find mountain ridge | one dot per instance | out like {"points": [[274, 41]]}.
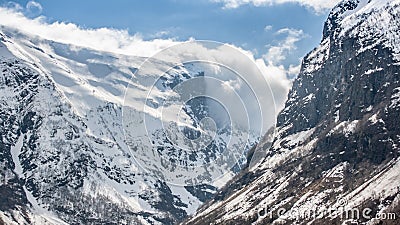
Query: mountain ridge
{"points": [[63, 158], [65, 150], [337, 137]]}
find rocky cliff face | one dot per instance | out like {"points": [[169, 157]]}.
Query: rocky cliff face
{"points": [[337, 142]]}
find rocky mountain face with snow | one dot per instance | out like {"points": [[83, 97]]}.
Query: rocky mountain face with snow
{"points": [[64, 156], [337, 144]]}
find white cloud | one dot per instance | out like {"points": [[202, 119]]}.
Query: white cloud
{"points": [[294, 70], [317, 5], [268, 28], [121, 42], [277, 54], [160, 34], [102, 39], [232, 85], [278, 81]]}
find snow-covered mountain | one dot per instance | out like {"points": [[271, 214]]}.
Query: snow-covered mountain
{"points": [[336, 152], [66, 153]]}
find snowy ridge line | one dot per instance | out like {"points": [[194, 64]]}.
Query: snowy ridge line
{"points": [[47, 103]]}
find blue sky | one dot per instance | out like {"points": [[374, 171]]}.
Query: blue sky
{"points": [[253, 27]]}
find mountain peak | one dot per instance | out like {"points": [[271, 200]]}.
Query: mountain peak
{"points": [[352, 9]]}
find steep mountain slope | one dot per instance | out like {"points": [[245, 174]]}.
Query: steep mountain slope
{"points": [[64, 169], [336, 151], [63, 151]]}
